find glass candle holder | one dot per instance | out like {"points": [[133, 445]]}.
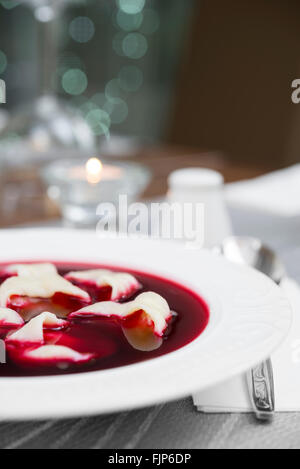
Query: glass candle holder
{"points": [[79, 186]]}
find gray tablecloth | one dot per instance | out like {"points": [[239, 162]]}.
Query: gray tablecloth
{"points": [[176, 425]]}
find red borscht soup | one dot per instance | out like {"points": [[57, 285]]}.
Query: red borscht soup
{"points": [[96, 342]]}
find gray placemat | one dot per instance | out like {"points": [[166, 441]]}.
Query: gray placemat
{"points": [[175, 425]]}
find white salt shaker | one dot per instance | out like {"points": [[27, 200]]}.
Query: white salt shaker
{"points": [[202, 186]]}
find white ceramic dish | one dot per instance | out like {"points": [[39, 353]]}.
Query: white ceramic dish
{"points": [[249, 317]]}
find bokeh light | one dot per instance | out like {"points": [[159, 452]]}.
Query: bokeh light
{"points": [[82, 29], [87, 106], [129, 22], [44, 13], [150, 22], [3, 62], [134, 45], [131, 6], [117, 43], [74, 81], [116, 107], [99, 121], [131, 78], [117, 110], [112, 89], [9, 4]]}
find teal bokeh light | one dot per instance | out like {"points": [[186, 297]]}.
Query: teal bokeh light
{"points": [[117, 43], [135, 45], [113, 90], [82, 29], [99, 121], [131, 6], [74, 82], [10, 4], [117, 109], [129, 22]]}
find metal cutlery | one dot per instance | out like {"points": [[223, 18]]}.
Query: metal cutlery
{"points": [[251, 251]]}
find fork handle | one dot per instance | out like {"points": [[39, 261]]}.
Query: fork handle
{"points": [[261, 390]]}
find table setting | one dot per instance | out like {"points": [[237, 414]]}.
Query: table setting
{"points": [[149, 291], [217, 403]]}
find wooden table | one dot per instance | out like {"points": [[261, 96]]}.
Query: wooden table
{"points": [[162, 160], [24, 198]]}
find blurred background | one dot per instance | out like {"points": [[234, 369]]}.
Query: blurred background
{"points": [[168, 84], [127, 50]]}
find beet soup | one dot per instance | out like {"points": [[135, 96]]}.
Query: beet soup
{"points": [[103, 337]]}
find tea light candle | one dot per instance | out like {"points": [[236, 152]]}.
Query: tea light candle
{"points": [[80, 185], [94, 181], [94, 172]]}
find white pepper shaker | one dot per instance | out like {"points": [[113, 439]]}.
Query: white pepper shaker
{"points": [[203, 186]]}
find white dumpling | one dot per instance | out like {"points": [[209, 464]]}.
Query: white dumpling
{"points": [[33, 331], [57, 353], [9, 317], [38, 286], [42, 268], [154, 305], [121, 283]]}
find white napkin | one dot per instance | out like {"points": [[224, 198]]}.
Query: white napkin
{"points": [[277, 193], [232, 396]]}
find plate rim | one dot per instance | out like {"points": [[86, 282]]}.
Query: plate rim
{"points": [[184, 389]]}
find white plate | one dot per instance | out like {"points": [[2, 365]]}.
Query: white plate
{"points": [[249, 317]]}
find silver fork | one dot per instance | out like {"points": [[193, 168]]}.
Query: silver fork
{"points": [[251, 251]]}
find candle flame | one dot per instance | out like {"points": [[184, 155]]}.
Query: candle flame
{"points": [[93, 169]]}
